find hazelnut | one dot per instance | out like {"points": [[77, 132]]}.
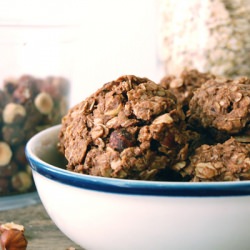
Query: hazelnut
{"points": [[8, 170], [3, 99], [63, 106], [168, 140], [10, 85], [121, 139], [19, 155], [21, 181], [5, 154], [33, 119], [26, 89], [14, 135], [13, 113], [44, 103], [11, 225], [55, 86], [12, 237], [4, 186], [28, 170]]}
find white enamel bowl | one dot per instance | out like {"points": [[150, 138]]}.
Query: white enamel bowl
{"points": [[112, 214]]}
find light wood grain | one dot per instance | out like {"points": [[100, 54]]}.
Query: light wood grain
{"points": [[40, 231]]}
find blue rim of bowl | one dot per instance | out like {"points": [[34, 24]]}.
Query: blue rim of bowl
{"points": [[135, 187]]}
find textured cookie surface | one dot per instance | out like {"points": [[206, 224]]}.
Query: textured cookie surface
{"points": [[223, 105], [185, 84], [229, 161], [129, 128]]}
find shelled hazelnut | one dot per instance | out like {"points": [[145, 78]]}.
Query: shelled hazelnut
{"points": [[13, 113], [27, 105], [121, 139], [5, 154], [44, 103]]}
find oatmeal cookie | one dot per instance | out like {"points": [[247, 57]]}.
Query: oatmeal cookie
{"points": [[130, 128], [183, 86], [229, 161], [221, 105]]}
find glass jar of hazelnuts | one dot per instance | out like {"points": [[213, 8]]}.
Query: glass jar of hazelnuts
{"points": [[35, 76]]}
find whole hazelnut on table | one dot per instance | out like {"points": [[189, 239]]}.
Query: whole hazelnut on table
{"points": [[12, 237]]}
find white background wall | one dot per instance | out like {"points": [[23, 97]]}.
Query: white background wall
{"points": [[116, 37]]}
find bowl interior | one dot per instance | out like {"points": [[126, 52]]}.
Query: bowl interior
{"points": [[43, 147]]}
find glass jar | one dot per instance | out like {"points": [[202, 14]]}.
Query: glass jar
{"points": [[35, 76], [210, 36]]}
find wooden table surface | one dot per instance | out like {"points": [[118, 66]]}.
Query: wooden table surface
{"points": [[40, 231]]}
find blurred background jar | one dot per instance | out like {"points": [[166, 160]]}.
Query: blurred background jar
{"points": [[36, 67], [208, 35]]}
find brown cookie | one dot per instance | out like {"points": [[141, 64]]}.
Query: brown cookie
{"points": [[229, 161], [185, 84], [221, 105], [129, 128]]}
